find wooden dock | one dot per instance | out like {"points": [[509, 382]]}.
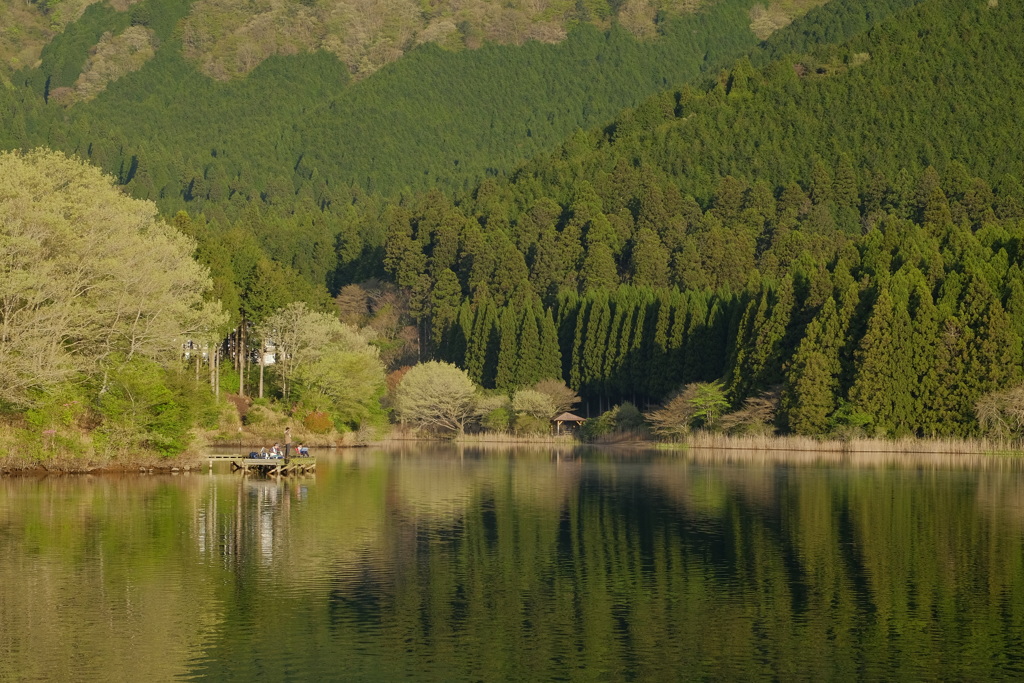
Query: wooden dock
{"points": [[274, 466]]}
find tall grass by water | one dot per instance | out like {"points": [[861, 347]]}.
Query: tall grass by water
{"points": [[867, 452], [970, 446]]}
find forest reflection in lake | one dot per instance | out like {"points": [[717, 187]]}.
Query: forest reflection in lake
{"points": [[438, 563]]}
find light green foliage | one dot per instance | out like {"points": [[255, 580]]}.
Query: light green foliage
{"points": [[534, 403], [54, 422], [494, 410], [90, 280], [148, 408], [674, 419], [696, 405], [709, 402], [597, 427], [849, 421], [436, 395], [299, 337], [497, 420], [622, 418], [330, 365], [735, 211], [347, 383], [526, 423], [627, 417]]}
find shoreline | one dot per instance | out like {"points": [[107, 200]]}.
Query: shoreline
{"points": [[865, 446], [766, 448]]}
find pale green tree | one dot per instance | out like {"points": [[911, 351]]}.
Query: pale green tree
{"points": [[347, 383], [533, 411], [709, 402], [436, 395], [534, 403], [89, 278], [299, 336]]}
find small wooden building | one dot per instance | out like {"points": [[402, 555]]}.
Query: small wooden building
{"points": [[571, 421]]}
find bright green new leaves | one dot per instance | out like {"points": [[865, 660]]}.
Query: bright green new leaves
{"points": [[331, 364], [345, 382]]}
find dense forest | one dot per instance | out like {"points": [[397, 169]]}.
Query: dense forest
{"points": [[135, 106], [824, 227], [829, 220]]}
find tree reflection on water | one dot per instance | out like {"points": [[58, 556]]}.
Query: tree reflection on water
{"points": [[465, 564]]}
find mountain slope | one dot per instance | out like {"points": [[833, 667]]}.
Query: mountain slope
{"points": [[229, 38], [435, 118], [842, 226]]}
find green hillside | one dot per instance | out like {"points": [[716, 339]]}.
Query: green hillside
{"points": [[227, 39], [829, 226], [840, 228], [435, 118]]}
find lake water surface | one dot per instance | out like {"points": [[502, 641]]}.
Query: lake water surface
{"points": [[442, 564]]}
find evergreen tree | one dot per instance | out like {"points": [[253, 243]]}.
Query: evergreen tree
{"points": [[993, 351], [478, 341], [926, 326], [821, 184], [476, 262], [403, 254], [844, 184], [760, 351], [649, 260], [545, 267], [577, 366], [529, 363], [457, 342], [445, 299], [599, 270], [656, 365], [550, 355], [595, 345], [507, 370], [812, 381], [510, 279], [883, 380]]}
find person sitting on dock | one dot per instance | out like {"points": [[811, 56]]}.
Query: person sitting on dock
{"points": [[275, 452], [302, 451]]}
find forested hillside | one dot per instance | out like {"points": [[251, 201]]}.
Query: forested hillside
{"points": [[292, 159], [840, 228], [229, 38], [830, 225], [115, 88]]}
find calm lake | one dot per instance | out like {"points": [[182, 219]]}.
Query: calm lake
{"points": [[528, 565]]}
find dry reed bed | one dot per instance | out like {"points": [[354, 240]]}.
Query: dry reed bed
{"points": [[801, 443], [866, 452]]}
